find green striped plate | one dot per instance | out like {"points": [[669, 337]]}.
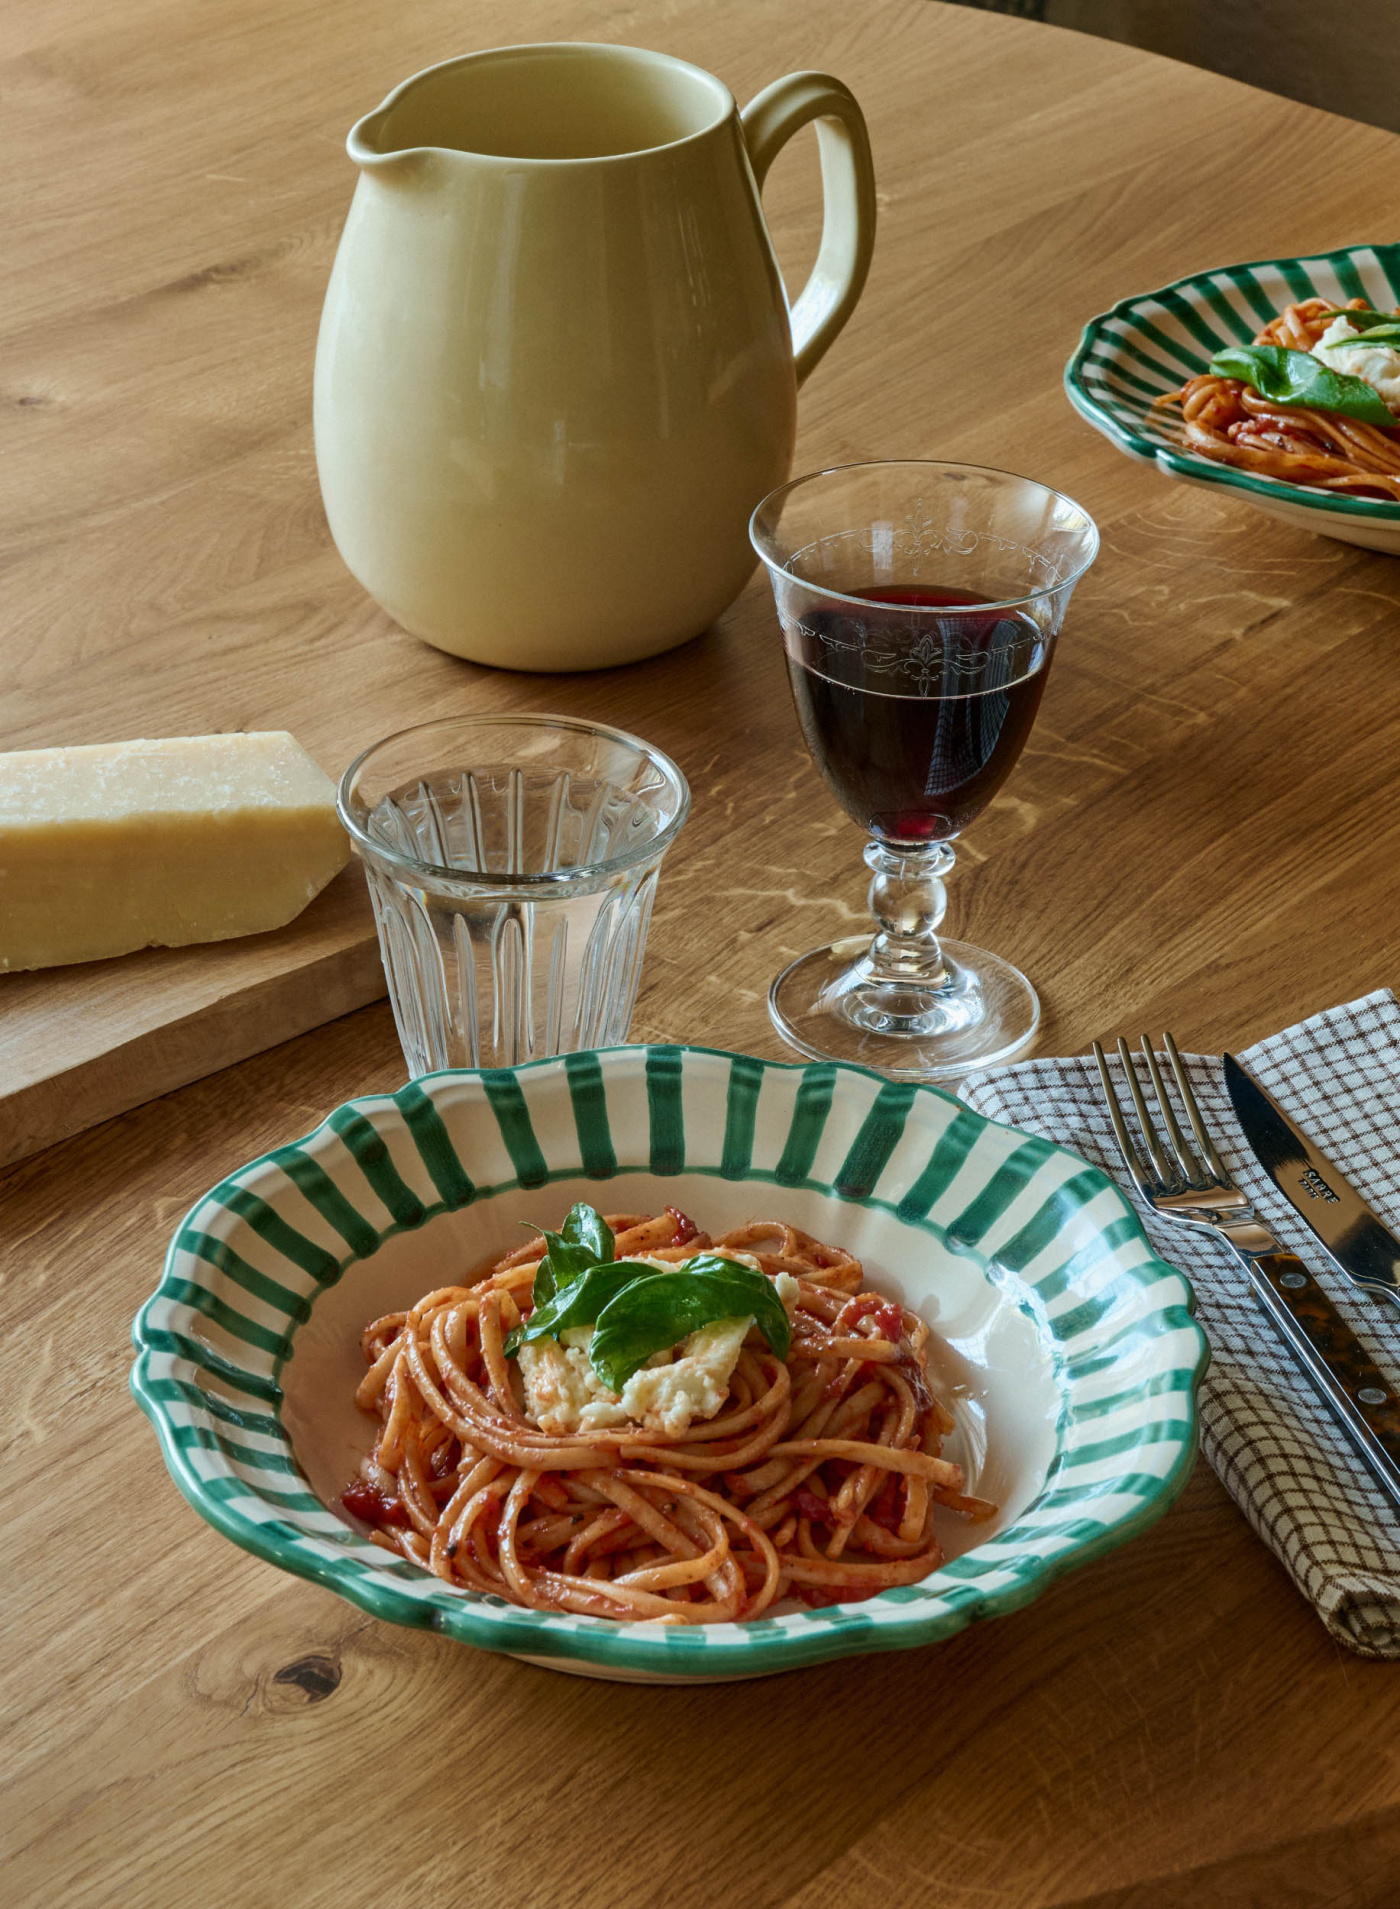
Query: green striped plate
{"points": [[1152, 343], [1072, 1357]]}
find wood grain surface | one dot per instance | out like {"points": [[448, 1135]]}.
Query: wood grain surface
{"points": [[1202, 834]]}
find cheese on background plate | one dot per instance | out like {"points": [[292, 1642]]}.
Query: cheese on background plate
{"points": [[1376, 365], [111, 847]]}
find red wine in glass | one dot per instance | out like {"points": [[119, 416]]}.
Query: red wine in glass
{"points": [[915, 720]]}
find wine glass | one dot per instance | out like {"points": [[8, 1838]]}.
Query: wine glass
{"points": [[919, 603]]}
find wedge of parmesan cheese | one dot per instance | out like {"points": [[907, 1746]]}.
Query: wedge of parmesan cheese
{"points": [[115, 846]]}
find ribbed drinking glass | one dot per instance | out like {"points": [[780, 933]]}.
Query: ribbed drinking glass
{"points": [[512, 862]]}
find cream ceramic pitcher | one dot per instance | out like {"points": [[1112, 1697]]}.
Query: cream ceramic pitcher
{"points": [[556, 371]]}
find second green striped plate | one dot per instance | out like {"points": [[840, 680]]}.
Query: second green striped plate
{"points": [[1152, 343]]}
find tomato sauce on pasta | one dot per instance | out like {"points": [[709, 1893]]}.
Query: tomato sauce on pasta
{"points": [[818, 1478]]}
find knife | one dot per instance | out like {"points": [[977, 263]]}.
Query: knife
{"points": [[1355, 1240]]}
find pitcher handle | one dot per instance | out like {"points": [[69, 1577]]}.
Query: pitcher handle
{"points": [[848, 193]]}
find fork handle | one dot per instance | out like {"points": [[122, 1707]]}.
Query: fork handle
{"points": [[1341, 1368]]}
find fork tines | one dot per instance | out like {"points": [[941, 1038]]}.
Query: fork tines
{"points": [[1172, 1168]]}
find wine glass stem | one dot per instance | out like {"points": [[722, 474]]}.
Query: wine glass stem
{"points": [[908, 900]]}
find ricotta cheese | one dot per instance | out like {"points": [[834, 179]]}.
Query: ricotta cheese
{"points": [[563, 1393], [1377, 365], [665, 1398]]}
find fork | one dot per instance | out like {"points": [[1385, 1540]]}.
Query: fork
{"points": [[1193, 1188]]}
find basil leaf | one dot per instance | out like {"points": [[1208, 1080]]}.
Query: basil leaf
{"points": [[1386, 334], [1296, 377], [1372, 328], [586, 1227], [654, 1315], [580, 1303], [1362, 316], [563, 1262], [586, 1240]]}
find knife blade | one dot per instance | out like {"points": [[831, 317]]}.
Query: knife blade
{"points": [[1355, 1240]]}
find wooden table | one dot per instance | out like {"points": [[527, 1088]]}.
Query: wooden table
{"points": [[1202, 834]]}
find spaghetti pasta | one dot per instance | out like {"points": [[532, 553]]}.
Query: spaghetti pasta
{"points": [[1229, 421], [818, 1477]]}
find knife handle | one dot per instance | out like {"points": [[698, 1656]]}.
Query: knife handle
{"points": [[1341, 1368]]}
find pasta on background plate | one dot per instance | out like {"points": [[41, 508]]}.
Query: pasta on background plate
{"points": [[1233, 421]]}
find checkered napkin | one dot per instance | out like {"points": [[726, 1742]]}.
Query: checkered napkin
{"points": [[1264, 1430]]}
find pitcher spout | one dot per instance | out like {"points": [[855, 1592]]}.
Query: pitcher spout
{"points": [[372, 146], [423, 117], [409, 125]]}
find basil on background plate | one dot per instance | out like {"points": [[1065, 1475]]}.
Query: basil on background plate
{"points": [[1387, 334], [1374, 328], [1297, 378], [1365, 319]]}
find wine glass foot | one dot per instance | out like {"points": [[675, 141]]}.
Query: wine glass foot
{"points": [[985, 1014]]}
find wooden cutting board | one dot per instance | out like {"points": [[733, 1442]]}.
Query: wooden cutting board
{"points": [[79, 1045]]}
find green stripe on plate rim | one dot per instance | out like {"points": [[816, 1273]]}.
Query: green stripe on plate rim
{"points": [[198, 1430], [1100, 345], [589, 1100]]}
